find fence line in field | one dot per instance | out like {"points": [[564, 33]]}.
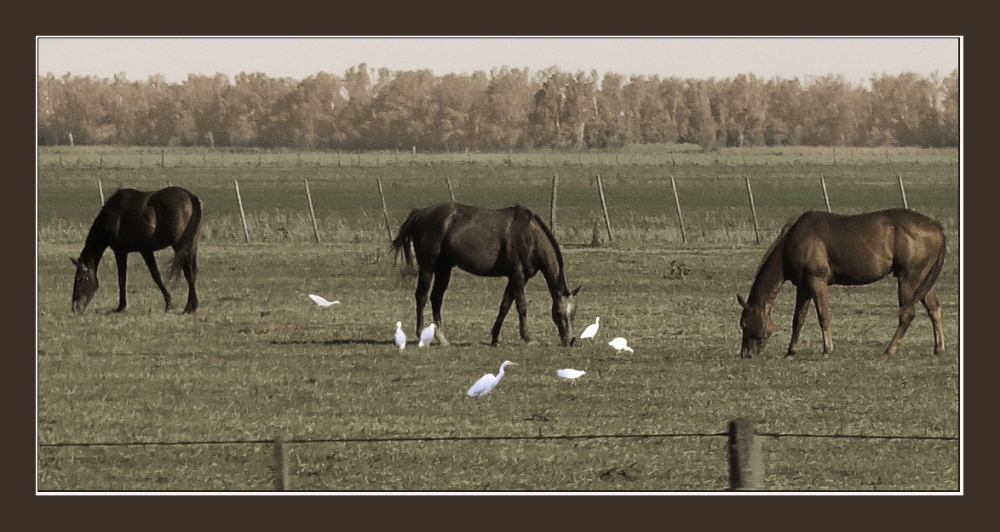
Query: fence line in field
{"points": [[553, 205], [790, 156], [746, 468], [398, 439]]}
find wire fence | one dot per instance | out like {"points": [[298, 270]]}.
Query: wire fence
{"points": [[397, 439], [744, 450]]}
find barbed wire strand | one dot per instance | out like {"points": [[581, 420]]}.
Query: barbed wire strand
{"points": [[497, 438]]}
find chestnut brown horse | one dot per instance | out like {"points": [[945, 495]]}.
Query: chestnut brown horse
{"points": [[511, 242], [142, 222], [819, 249]]}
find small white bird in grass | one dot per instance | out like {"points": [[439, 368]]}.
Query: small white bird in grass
{"points": [[569, 373], [321, 301], [621, 344], [488, 381], [400, 336], [591, 329], [427, 335]]}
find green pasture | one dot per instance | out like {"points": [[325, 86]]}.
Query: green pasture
{"points": [[639, 197], [259, 358]]}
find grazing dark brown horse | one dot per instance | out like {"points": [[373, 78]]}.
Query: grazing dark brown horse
{"points": [[819, 249], [511, 242], [142, 222]]}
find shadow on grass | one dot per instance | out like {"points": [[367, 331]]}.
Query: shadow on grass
{"points": [[360, 341]]}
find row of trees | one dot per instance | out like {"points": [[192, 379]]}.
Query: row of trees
{"points": [[505, 109]]}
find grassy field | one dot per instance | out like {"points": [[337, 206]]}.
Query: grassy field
{"points": [[259, 358]]}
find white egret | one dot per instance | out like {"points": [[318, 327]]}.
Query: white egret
{"points": [[322, 301], [569, 373], [621, 344], [427, 335], [400, 336], [591, 329], [488, 381]]}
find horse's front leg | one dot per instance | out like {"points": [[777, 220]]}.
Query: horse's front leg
{"points": [[441, 279], [821, 296], [121, 260], [424, 277], [154, 270], [522, 311], [508, 298], [802, 298]]}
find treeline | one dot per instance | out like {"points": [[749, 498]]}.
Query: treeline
{"points": [[506, 109]]}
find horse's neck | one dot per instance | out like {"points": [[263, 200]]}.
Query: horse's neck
{"points": [[770, 277], [547, 259], [555, 278], [95, 245]]}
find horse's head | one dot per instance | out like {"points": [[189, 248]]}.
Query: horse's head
{"points": [[757, 328], [84, 285], [563, 312]]}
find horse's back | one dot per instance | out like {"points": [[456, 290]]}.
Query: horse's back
{"points": [[137, 221], [482, 241], [859, 248]]}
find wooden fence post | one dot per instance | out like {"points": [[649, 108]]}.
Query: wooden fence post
{"points": [[746, 470], [385, 211], [312, 213], [753, 210], [604, 206], [902, 191], [826, 197], [552, 204], [243, 218], [680, 216], [281, 482]]}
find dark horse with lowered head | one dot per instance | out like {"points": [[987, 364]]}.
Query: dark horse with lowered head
{"points": [[511, 242], [819, 249], [142, 222]]}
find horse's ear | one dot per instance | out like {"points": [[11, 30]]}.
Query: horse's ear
{"points": [[739, 299], [576, 291]]}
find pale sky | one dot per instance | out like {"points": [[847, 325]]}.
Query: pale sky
{"points": [[857, 59]]}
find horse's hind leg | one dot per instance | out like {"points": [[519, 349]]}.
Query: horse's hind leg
{"points": [[424, 277], [190, 268], [441, 279], [154, 270], [933, 307], [906, 315]]}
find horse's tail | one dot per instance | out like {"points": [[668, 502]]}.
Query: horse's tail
{"points": [[187, 253], [928, 281], [402, 244]]}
